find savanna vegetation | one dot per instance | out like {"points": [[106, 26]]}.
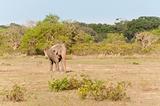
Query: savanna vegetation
{"points": [[110, 79], [93, 89], [137, 36]]}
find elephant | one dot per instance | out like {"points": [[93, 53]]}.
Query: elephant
{"points": [[57, 55]]}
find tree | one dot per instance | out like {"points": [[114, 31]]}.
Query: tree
{"points": [[50, 31], [141, 24], [146, 38], [51, 18], [14, 34]]}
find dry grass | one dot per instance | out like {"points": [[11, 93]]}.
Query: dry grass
{"points": [[33, 73]]}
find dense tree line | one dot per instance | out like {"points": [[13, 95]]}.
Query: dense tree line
{"points": [[32, 40]]}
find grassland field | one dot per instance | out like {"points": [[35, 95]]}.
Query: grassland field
{"points": [[33, 73]]}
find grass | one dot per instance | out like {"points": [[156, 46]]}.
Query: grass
{"points": [[24, 70], [135, 63], [15, 94]]}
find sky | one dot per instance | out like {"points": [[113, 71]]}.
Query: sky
{"points": [[89, 11]]}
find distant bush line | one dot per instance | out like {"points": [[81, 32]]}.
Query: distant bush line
{"points": [[81, 38]]}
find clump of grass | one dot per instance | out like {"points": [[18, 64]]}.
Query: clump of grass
{"points": [[135, 63], [15, 94], [5, 64]]}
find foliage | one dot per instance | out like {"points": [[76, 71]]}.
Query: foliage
{"points": [[98, 90], [135, 63], [44, 34], [80, 38], [16, 94], [146, 38], [114, 38], [58, 84], [92, 88], [4, 46], [141, 24], [88, 88], [14, 34], [66, 83], [118, 48], [117, 92], [156, 33], [10, 38], [102, 28], [51, 31]]}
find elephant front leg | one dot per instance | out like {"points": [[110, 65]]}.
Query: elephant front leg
{"points": [[63, 64], [57, 66], [51, 65]]}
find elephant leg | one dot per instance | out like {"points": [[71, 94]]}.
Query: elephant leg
{"points": [[62, 66], [51, 65], [57, 66], [51, 69]]}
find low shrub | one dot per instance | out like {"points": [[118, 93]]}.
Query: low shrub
{"points": [[118, 48], [117, 92], [66, 83], [58, 84], [135, 63], [93, 89], [97, 90], [16, 94]]}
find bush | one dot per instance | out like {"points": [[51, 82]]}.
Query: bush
{"points": [[118, 48], [117, 92], [135, 63], [99, 91], [114, 38], [88, 88], [16, 94], [66, 83], [93, 89], [58, 84]]}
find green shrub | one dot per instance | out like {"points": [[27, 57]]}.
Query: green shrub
{"points": [[135, 63], [119, 48], [16, 94], [66, 83], [114, 38], [74, 82], [58, 84], [93, 89], [98, 91]]}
